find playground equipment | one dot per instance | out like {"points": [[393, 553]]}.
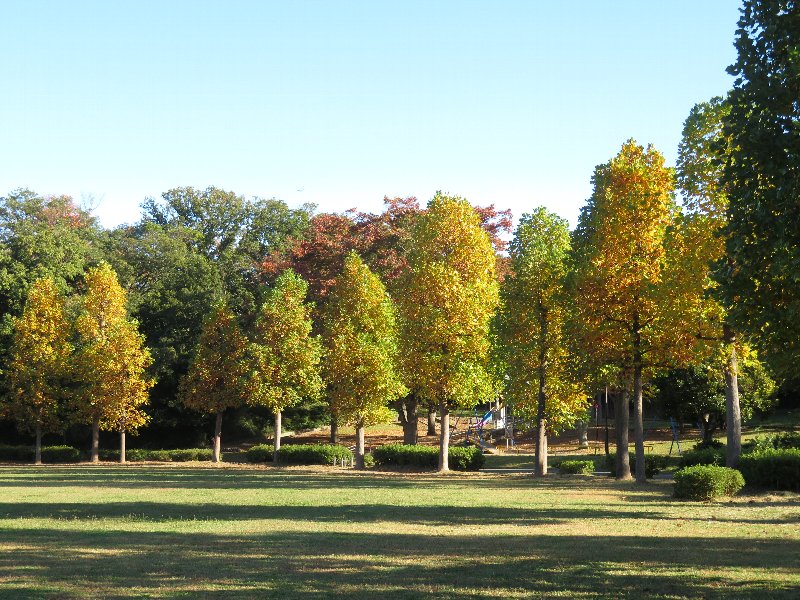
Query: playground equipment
{"points": [[480, 428]]}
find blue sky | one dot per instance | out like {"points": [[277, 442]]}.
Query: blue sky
{"points": [[341, 103]]}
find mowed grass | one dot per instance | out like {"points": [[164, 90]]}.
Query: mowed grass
{"points": [[146, 531]]}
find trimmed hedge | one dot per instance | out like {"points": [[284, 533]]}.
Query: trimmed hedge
{"points": [[707, 482], [773, 469], [704, 456], [261, 453], [782, 441], [313, 454], [50, 454], [653, 464], [576, 467], [460, 458], [142, 455]]}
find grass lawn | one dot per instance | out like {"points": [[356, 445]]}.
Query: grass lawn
{"points": [[242, 532]]}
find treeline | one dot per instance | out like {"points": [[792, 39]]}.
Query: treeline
{"points": [[252, 303]]}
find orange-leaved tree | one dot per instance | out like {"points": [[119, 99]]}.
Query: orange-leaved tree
{"points": [[39, 363], [447, 298], [111, 361], [215, 381]]}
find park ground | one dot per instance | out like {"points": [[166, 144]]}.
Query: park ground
{"points": [[237, 531]]}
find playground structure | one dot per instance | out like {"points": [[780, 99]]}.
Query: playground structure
{"points": [[482, 427]]}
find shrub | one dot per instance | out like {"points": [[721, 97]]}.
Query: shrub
{"points": [[141, 455], [260, 454], [369, 461], [712, 443], [774, 469], [462, 458], [60, 454], [781, 441], [190, 454], [653, 464], [706, 482], [576, 467], [703, 456], [313, 454], [401, 455], [16, 453]]}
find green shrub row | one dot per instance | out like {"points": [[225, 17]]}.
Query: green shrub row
{"points": [[781, 441], [576, 467], [653, 464], [261, 453], [141, 455], [773, 468], [313, 454], [704, 456], [401, 455], [707, 482], [50, 454]]}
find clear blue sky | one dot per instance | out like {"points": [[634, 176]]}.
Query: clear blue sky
{"points": [[506, 102]]}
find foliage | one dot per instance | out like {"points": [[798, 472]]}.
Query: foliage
{"points": [[313, 454], [402, 455], [283, 357], [777, 469], [530, 326], [653, 464], [576, 467], [762, 178], [39, 365], [214, 382], [359, 332], [50, 454], [781, 441], [707, 482], [448, 297], [260, 453], [142, 455], [111, 360], [703, 456]]}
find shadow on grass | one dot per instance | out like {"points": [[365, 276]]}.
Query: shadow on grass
{"points": [[320, 564]]}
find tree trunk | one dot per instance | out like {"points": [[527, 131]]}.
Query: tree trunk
{"points": [[431, 422], [605, 412], [277, 436], [360, 446], [410, 420], [708, 428], [444, 438], [37, 460], [217, 438], [541, 424], [334, 430], [641, 476], [96, 438], [582, 427], [122, 447], [733, 415], [621, 422]]}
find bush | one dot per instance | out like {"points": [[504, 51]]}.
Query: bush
{"points": [[782, 441], [653, 464], [461, 458], [402, 455], [708, 444], [773, 469], [703, 456], [60, 454], [260, 454], [50, 454], [706, 482], [142, 455], [190, 454], [313, 454], [576, 467]]}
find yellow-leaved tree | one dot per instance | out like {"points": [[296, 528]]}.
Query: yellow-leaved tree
{"points": [[621, 294], [283, 357], [447, 299], [531, 347], [111, 361], [39, 363], [360, 337], [216, 378]]}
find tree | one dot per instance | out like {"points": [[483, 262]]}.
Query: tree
{"points": [[360, 336], [698, 392], [762, 180], [215, 381], [111, 360], [530, 329], [39, 362], [448, 296], [283, 356], [620, 248]]}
